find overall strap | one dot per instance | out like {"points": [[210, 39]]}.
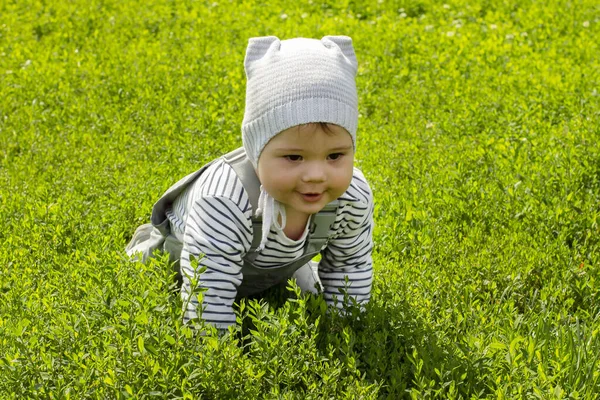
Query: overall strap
{"points": [[159, 218], [320, 227], [245, 171]]}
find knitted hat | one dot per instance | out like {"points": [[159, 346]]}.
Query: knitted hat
{"points": [[294, 82]]}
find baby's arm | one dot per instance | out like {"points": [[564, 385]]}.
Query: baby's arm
{"points": [[219, 233], [349, 254]]}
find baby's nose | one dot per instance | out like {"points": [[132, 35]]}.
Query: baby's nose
{"points": [[314, 172]]}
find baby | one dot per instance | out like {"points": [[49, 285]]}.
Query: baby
{"points": [[257, 216]]}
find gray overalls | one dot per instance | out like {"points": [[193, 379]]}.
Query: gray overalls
{"points": [[157, 235]]}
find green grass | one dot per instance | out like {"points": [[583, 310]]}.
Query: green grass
{"points": [[478, 132]]}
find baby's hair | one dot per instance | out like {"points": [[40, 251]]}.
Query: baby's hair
{"points": [[323, 125]]}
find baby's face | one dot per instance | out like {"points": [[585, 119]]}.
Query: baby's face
{"points": [[306, 167]]}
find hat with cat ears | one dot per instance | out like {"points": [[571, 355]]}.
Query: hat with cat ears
{"points": [[294, 82]]}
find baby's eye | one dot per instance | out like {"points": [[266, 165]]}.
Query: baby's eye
{"points": [[335, 156], [293, 157]]}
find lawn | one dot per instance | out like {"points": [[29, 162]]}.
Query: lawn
{"points": [[479, 133]]}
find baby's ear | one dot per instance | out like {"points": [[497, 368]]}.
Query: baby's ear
{"points": [[257, 48], [344, 43]]}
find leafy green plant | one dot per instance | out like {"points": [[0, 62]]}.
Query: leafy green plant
{"points": [[478, 134]]}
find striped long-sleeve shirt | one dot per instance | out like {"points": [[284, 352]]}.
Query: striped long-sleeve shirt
{"points": [[213, 220]]}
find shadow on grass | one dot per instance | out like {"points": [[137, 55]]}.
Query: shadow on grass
{"points": [[388, 344]]}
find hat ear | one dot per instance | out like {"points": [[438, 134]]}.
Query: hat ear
{"points": [[257, 48], [344, 43]]}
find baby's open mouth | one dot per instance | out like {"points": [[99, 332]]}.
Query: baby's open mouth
{"points": [[312, 196]]}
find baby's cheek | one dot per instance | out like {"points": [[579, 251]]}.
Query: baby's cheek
{"points": [[348, 173], [345, 181], [281, 185], [286, 184]]}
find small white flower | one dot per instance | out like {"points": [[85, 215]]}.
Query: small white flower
{"points": [[283, 16], [429, 28], [403, 15], [493, 26], [586, 24], [429, 125], [446, 6], [304, 15], [510, 36], [524, 34], [450, 33]]}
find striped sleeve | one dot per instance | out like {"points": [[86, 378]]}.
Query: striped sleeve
{"points": [[348, 255], [219, 231]]}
